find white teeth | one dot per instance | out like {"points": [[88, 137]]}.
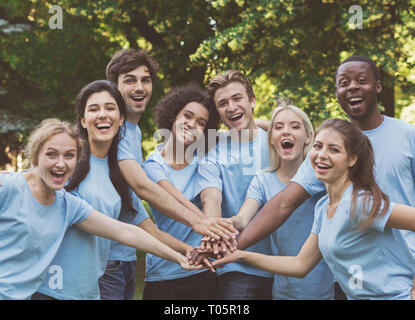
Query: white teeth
{"points": [[103, 126], [58, 173], [138, 98], [188, 132], [237, 116], [322, 166], [355, 99]]}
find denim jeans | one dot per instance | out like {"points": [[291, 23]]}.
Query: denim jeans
{"points": [[118, 281], [241, 286], [201, 286]]}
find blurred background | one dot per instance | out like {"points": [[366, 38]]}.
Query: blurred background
{"points": [[50, 49]]}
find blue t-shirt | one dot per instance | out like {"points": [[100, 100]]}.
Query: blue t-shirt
{"points": [[82, 257], [375, 263], [129, 147], [230, 167], [31, 234], [289, 239], [158, 269], [393, 145]]}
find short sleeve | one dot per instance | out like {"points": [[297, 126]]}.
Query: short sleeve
{"points": [[76, 208], [154, 170], [318, 215], [306, 178], [362, 212], [209, 174], [256, 191], [125, 149]]}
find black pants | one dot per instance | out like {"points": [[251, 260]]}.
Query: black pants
{"points": [[338, 292], [201, 286]]}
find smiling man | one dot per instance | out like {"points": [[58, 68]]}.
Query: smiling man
{"points": [[226, 174], [393, 142]]}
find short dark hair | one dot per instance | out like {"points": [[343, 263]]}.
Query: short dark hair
{"points": [[372, 65], [128, 59]]}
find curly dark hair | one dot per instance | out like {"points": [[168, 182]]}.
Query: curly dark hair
{"points": [[169, 106]]}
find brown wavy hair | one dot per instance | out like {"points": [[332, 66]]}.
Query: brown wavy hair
{"points": [[361, 174], [167, 109]]}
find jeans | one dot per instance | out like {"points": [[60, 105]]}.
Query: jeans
{"points": [[118, 281], [201, 286], [41, 296], [241, 286]]}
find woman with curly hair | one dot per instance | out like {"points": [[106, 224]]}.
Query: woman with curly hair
{"points": [[184, 117]]}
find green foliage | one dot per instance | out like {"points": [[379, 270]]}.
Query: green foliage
{"points": [[287, 48]]}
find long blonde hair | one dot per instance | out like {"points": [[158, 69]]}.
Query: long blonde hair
{"points": [[286, 104]]}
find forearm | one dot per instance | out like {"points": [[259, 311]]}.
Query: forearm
{"points": [[164, 237], [211, 199], [170, 188], [272, 215], [282, 265]]}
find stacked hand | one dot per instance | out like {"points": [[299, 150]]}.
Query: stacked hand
{"points": [[212, 248]]}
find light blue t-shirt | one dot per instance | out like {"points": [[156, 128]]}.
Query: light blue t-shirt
{"points": [[375, 263], [289, 239], [31, 234], [82, 257], [230, 167], [158, 269], [393, 145], [129, 147]]}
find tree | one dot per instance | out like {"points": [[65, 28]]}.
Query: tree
{"points": [[289, 48]]}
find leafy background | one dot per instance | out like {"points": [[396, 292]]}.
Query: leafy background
{"points": [[287, 48]]}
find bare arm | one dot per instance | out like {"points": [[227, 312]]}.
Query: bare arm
{"points": [[273, 214], [169, 240], [262, 123], [170, 188], [164, 202], [212, 202], [245, 214], [104, 226], [402, 217], [298, 266]]}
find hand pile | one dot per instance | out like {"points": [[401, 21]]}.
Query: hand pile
{"points": [[214, 248]]}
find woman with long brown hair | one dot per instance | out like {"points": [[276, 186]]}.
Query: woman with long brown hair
{"points": [[355, 224]]}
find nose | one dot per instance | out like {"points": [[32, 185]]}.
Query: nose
{"points": [[231, 106], [102, 113], [138, 86], [60, 162], [353, 86]]}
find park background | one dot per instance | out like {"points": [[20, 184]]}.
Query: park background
{"points": [[50, 49]]}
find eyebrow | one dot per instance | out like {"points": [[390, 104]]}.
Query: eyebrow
{"points": [[330, 144], [187, 110], [53, 149], [96, 104]]}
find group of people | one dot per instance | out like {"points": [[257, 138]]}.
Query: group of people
{"points": [[259, 210]]}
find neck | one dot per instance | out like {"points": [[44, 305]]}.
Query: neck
{"points": [[288, 169], [244, 135], [175, 155], [336, 189], [40, 191], [369, 123], [133, 117], [99, 149]]}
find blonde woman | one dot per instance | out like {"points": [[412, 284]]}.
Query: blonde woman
{"points": [[35, 212], [290, 135]]}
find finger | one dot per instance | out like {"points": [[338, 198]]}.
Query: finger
{"points": [[215, 246], [209, 264]]}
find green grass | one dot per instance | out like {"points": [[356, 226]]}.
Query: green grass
{"points": [[140, 271]]}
